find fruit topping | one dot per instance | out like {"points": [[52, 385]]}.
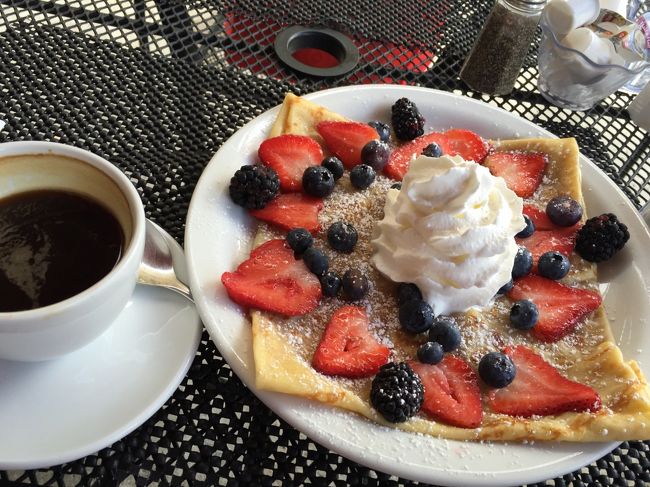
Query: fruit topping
{"points": [[299, 239], [564, 211], [432, 150], [561, 308], [347, 348], [375, 154], [445, 331], [289, 155], [553, 265], [523, 263], [396, 186], [539, 389], [467, 144], [522, 171], [346, 139], [316, 261], [355, 284], [506, 287], [539, 218], [407, 291], [430, 353], [254, 186], [496, 369], [400, 159], [273, 280], [528, 230], [407, 120], [451, 392], [330, 283], [601, 237], [524, 314], [383, 130], [342, 236], [291, 210], [318, 181], [397, 392], [334, 165], [560, 240], [415, 316], [362, 176]]}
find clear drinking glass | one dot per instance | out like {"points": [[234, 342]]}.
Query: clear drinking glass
{"points": [[569, 79]]}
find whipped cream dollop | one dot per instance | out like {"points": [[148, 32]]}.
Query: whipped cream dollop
{"points": [[450, 230]]}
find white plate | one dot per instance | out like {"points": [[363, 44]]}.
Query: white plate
{"points": [[58, 411], [217, 239]]}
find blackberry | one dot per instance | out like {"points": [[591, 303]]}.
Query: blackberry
{"points": [[407, 121], [601, 237], [362, 176], [254, 186], [397, 392], [342, 236], [334, 165]]}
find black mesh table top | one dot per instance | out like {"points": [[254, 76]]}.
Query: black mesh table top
{"points": [[156, 86]]}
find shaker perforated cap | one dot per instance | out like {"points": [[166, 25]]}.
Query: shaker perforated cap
{"points": [[639, 109]]}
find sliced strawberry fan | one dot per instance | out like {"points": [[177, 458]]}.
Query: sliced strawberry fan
{"points": [[451, 392], [271, 279], [561, 308], [347, 348], [539, 389]]}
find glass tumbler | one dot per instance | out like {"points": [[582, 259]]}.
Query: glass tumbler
{"points": [[569, 79]]}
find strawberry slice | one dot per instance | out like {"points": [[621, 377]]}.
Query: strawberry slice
{"points": [[451, 392], [400, 159], [347, 348], [291, 210], [346, 139], [539, 389], [289, 155], [539, 218], [466, 144], [522, 171], [560, 307], [272, 279]]}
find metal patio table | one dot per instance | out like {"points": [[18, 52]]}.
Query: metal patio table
{"points": [[157, 86]]}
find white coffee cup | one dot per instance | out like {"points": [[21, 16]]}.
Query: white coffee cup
{"points": [[57, 329]]}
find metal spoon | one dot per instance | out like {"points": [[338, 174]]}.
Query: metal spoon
{"points": [[163, 262]]}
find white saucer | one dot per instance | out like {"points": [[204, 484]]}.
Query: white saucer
{"points": [[58, 411]]}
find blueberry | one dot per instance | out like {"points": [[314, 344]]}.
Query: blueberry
{"points": [[362, 176], [397, 186], [497, 369], [334, 165], [430, 353], [375, 154], [406, 292], [524, 314], [523, 263], [355, 284], [528, 231], [564, 211], [316, 261], [506, 287], [432, 150], [445, 331], [383, 130], [415, 316], [299, 239], [553, 265], [342, 236], [318, 181], [330, 284]]}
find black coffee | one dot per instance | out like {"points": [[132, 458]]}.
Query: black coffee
{"points": [[53, 245]]}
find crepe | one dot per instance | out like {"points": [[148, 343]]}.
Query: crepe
{"points": [[283, 347]]}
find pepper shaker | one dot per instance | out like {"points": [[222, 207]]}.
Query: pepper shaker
{"points": [[499, 52]]}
